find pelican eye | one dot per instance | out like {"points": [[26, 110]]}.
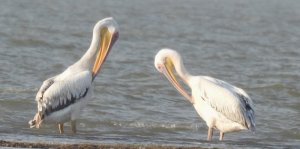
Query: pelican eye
{"points": [[160, 67]]}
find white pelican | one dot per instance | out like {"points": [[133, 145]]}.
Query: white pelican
{"points": [[61, 98], [220, 104]]}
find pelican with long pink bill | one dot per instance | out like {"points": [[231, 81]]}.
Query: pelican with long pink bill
{"points": [[61, 98], [221, 105]]}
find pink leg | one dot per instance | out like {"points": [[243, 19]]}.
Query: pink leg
{"points": [[73, 126], [221, 136], [61, 128], [210, 134]]}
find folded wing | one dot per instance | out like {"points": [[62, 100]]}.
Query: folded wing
{"points": [[58, 93], [232, 102]]}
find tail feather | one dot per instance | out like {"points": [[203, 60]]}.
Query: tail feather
{"points": [[251, 118]]}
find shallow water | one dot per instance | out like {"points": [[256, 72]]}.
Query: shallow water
{"points": [[251, 44]]}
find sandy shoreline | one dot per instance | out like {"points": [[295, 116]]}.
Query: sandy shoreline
{"points": [[20, 144]]}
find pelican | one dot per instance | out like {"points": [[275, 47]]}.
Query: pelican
{"points": [[221, 105], [61, 98]]}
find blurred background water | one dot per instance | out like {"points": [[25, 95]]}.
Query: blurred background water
{"points": [[251, 44]]}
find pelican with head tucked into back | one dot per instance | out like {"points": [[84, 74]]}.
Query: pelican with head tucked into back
{"points": [[61, 98], [220, 104]]}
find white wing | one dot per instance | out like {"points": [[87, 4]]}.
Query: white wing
{"points": [[234, 103], [61, 91]]}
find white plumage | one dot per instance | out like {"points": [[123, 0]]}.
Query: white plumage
{"points": [[61, 98], [220, 104], [62, 93]]}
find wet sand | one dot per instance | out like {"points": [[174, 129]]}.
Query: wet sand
{"points": [[20, 144]]}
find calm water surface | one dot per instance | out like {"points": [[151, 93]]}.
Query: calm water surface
{"points": [[252, 44]]}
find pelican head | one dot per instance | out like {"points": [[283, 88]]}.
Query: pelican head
{"points": [[166, 60], [105, 34]]}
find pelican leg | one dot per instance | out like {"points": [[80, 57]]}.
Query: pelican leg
{"points": [[73, 126], [221, 136], [61, 128], [209, 134]]}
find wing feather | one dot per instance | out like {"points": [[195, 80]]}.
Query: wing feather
{"points": [[39, 96], [61, 91], [234, 103]]}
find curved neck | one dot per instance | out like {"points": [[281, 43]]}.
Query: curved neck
{"points": [[88, 59], [180, 69]]}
